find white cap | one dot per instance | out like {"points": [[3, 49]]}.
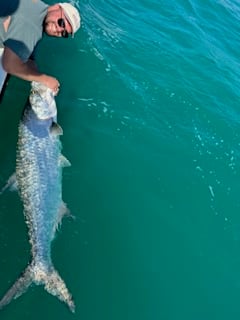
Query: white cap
{"points": [[72, 15]]}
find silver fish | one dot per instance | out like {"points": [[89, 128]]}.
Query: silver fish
{"points": [[39, 166]]}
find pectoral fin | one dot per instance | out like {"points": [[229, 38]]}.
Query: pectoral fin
{"points": [[11, 184], [64, 162], [56, 129]]}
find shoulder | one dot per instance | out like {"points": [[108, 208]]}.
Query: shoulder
{"points": [[25, 29], [32, 6]]}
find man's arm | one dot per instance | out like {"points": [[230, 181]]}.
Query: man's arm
{"points": [[12, 64]]}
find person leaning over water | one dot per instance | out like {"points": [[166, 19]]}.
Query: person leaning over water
{"points": [[21, 32]]}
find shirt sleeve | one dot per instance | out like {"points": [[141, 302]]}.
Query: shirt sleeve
{"points": [[22, 38], [19, 48]]}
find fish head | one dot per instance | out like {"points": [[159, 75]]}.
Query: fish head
{"points": [[42, 101]]}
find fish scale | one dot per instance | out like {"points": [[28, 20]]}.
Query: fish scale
{"points": [[39, 182]]}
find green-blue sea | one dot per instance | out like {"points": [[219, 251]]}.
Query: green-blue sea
{"points": [[149, 106]]}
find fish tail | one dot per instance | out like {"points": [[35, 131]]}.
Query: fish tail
{"points": [[56, 286], [18, 288], [40, 275]]}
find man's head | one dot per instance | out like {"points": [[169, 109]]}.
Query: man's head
{"points": [[62, 20]]}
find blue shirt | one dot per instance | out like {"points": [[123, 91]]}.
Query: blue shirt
{"points": [[25, 28]]}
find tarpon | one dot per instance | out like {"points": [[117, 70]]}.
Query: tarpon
{"points": [[39, 165]]}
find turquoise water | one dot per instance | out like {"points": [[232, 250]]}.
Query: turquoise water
{"points": [[149, 105]]}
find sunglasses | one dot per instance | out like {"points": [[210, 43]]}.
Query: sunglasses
{"points": [[61, 24]]}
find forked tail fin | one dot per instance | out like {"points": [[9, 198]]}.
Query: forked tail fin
{"points": [[19, 287], [40, 275]]}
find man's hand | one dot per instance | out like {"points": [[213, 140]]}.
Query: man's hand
{"points": [[12, 64], [50, 82]]}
